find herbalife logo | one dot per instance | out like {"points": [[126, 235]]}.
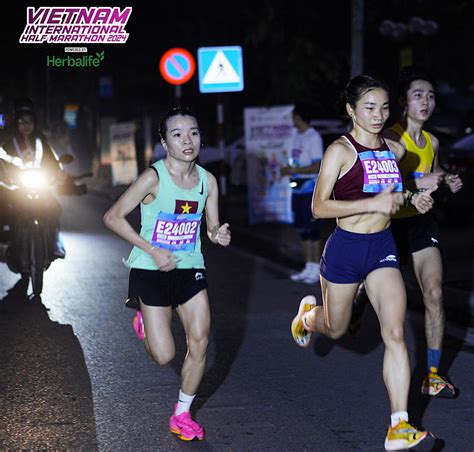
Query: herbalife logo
{"points": [[70, 61]]}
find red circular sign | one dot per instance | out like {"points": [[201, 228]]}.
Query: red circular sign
{"points": [[177, 66]]}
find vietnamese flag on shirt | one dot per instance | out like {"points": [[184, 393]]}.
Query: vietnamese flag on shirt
{"points": [[182, 207]]}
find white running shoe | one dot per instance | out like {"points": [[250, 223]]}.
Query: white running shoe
{"points": [[301, 275], [312, 276]]}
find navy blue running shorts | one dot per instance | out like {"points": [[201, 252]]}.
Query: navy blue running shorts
{"points": [[414, 234], [156, 288], [348, 257]]}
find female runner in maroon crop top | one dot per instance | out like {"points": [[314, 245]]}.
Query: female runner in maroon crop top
{"points": [[360, 185]]}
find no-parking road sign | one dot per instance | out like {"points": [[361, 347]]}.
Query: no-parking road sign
{"points": [[177, 66]]}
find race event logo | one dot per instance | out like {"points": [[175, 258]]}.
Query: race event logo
{"points": [[76, 25]]}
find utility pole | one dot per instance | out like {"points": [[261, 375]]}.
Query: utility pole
{"points": [[357, 41]]}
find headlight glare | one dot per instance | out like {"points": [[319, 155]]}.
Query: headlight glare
{"points": [[32, 178]]}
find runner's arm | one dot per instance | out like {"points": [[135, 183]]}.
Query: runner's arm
{"points": [[219, 234], [310, 169], [145, 186], [115, 218], [453, 181]]}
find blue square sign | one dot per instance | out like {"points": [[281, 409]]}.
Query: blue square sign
{"points": [[220, 69]]}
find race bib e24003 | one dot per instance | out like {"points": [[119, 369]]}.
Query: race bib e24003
{"points": [[380, 171], [176, 232]]}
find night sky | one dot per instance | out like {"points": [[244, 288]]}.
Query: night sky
{"points": [[292, 51]]}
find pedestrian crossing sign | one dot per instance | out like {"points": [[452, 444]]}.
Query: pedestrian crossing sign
{"points": [[220, 69]]}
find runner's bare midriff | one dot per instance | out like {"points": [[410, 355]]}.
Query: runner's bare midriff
{"points": [[366, 223]]}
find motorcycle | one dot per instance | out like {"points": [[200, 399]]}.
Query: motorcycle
{"points": [[33, 238]]}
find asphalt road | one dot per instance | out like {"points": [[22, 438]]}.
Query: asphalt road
{"points": [[73, 375]]}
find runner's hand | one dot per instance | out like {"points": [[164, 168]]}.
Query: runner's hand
{"points": [[165, 259], [423, 201], [387, 202], [223, 235], [429, 181], [454, 182]]}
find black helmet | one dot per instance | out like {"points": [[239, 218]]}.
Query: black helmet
{"points": [[23, 105]]}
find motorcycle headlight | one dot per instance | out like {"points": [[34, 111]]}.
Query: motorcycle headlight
{"points": [[32, 178]]}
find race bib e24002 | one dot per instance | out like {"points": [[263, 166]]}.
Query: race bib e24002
{"points": [[380, 171], [176, 232]]}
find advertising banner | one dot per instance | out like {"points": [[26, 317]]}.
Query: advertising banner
{"points": [[269, 134], [123, 153]]}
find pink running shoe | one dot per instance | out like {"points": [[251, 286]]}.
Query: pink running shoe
{"points": [[138, 325], [184, 427]]}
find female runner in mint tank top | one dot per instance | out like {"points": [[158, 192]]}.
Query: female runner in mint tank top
{"points": [[167, 267], [360, 185]]}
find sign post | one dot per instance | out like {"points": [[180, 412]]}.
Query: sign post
{"points": [[220, 70]]}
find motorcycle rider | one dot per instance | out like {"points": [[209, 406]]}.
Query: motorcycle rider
{"points": [[26, 145], [26, 141]]}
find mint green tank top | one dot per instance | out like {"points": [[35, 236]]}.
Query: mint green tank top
{"points": [[173, 221]]}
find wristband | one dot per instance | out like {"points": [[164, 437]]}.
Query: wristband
{"points": [[409, 198], [411, 194]]}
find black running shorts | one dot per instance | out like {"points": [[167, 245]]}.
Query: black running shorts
{"points": [[156, 288], [414, 234]]}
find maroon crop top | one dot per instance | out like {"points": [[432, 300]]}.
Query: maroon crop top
{"points": [[371, 173]]}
